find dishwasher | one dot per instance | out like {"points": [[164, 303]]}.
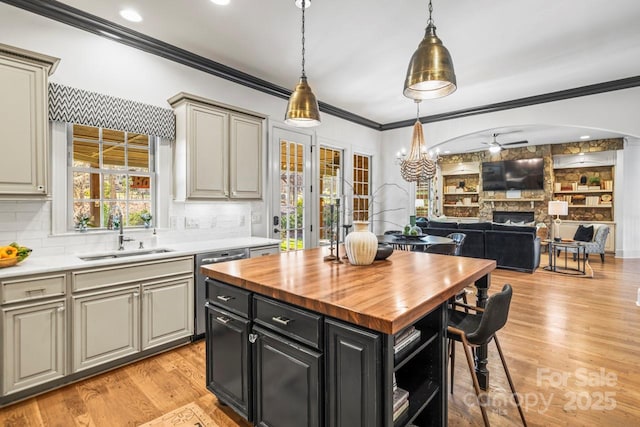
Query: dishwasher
{"points": [[200, 293]]}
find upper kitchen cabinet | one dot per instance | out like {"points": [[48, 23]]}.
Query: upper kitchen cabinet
{"points": [[24, 121], [218, 150]]}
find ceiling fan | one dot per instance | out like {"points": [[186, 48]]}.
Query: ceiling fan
{"points": [[496, 147]]}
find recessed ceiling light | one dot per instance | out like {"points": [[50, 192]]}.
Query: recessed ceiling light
{"points": [[581, 154], [447, 151], [221, 2], [130, 15], [585, 137], [307, 4]]}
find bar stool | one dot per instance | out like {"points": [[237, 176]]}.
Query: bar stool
{"points": [[476, 329]]}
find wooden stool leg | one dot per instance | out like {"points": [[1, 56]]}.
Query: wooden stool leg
{"points": [[476, 385], [513, 389]]}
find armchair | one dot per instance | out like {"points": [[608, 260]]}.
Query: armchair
{"points": [[595, 246]]}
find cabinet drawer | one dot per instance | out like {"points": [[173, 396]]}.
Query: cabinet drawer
{"points": [[288, 320], [129, 273], [33, 288], [256, 252], [233, 299]]}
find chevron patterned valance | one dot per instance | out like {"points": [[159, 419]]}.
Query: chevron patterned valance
{"points": [[71, 105]]}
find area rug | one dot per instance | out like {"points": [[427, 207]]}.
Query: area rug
{"points": [[190, 415]]}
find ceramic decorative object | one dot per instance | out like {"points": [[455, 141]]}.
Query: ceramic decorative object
{"points": [[384, 251], [361, 244]]}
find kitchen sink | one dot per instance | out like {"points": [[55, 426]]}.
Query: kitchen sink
{"points": [[113, 255]]}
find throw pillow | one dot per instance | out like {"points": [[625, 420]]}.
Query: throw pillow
{"points": [[584, 234]]}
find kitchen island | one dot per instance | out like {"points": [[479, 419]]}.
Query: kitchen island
{"points": [[294, 340]]}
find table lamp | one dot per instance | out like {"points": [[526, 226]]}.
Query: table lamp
{"points": [[557, 208]]}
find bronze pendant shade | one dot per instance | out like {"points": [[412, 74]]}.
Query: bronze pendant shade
{"points": [[430, 73], [302, 110]]}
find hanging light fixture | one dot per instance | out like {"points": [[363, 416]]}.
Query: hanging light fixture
{"points": [[430, 73], [302, 110], [418, 166]]}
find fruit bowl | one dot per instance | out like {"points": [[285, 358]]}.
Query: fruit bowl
{"points": [[12, 254], [8, 262]]}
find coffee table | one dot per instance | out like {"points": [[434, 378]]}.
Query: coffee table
{"points": [[556, 248]]}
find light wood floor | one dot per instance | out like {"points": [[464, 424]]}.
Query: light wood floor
{"points": [[572, 345]]}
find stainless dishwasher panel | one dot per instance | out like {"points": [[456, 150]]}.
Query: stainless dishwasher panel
{"points": [[200, 293]]}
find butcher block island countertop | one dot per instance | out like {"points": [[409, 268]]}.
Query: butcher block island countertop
{"points": [[385, 296]]}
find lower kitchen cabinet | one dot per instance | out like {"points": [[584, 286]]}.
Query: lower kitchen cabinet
{"points": [[288, 382], [105, 326], [34, 350], [229, 359], [167, 311], [353, 376]]}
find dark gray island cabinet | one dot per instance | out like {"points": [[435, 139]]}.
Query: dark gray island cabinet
{"points": [[286, 350]]}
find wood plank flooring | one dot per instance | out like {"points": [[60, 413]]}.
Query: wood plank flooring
{"points": [[571, 343]]}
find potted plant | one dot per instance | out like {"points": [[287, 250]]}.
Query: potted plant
{"points": [[146, 218]]}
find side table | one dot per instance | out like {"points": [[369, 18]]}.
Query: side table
{"points": [[556, 248]]}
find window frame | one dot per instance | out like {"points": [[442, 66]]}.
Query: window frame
{"points": [[71, 225]]}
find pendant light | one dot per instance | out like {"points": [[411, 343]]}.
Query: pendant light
{"points": [[302, 110], [430, 73], [418, 166]]}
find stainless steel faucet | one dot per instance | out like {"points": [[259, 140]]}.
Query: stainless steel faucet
{"points": [[121, 238]]}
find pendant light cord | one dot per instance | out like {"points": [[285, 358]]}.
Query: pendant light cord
{"points": [[430, 21], [304, 6]]}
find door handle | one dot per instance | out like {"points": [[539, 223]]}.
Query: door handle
{"points": [[276, 231]]}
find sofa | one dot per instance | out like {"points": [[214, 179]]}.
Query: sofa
{"points": [[513, 247]]}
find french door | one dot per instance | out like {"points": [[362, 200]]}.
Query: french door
{"points": [[291, 203]]}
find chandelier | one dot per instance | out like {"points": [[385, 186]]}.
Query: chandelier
{"points": [[418, 166]]}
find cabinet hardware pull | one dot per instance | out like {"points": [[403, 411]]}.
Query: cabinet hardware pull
{"points": [[223, 320], [208, 304], [33, 291], [224, 298], [253, 338], [281, 320]]}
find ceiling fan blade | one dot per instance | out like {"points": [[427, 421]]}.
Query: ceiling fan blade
{"points": [[514, 143]]}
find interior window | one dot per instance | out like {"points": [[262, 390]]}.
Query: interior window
{"points": [[112, 177]]}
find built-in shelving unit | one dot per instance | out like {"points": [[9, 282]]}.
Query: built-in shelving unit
{"points": [[460, 189], [586, 182]]}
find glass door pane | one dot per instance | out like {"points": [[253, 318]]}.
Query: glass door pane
{"points": [[292, 196], [330, 191]]}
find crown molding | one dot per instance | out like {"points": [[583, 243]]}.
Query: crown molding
{"points": [[77, 18]]}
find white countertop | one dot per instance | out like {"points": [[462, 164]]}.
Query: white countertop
{"points": [[36, 264]]}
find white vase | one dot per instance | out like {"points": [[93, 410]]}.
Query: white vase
{"points": [[361, 244]]}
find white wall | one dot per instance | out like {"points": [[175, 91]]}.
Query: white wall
{"points": [[615, 111], [101, 65]]}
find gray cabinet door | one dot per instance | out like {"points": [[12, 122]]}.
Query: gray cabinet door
{"points": [[167, 311], [245, 157], [34, 341], [23, 164], [353, 376], [105, 326], [288, 383], [228, 359]]}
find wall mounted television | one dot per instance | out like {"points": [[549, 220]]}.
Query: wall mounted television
{"points": [[525, 174]]}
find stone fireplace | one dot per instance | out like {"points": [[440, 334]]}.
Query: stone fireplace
{"points": [[504, 216]]}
